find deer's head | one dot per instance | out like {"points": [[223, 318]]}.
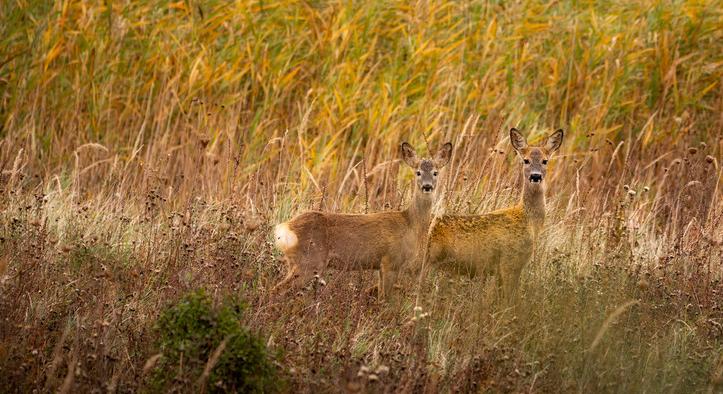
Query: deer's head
{"points": [[534, 158], [426, 170]]}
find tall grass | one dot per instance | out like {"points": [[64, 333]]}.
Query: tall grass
{"points": [[148, 147]]}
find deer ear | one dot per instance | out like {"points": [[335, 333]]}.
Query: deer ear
{"points": [[409, 155], [519, 142], [553, 142], [443, 155]]}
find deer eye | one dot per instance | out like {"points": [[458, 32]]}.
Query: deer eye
{"points": [[419, 173], [527, 161], [544, 162], [435, 173]]}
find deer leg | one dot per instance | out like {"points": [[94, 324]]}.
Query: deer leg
{"points": [[521, 261], [510, 272], [375, 289], [507, 287], [504, 275], [300, 280], [294, 280], [500, 284], [290, 274], [388, 277], [514, 284], [383, 268], [302, 268], [433, 256]]}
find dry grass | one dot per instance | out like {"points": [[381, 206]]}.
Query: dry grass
{"points": [[148, 147]]}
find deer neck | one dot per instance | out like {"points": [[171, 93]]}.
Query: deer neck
{"points": [[419, 211], [533, 202]]}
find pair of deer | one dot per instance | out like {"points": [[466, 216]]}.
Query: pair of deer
{"points": [[498, 243]]}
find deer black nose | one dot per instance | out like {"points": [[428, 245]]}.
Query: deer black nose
{"points": [[536, 177], [427, 188]]}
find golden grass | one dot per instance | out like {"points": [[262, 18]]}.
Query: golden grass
{"points": [[148, 147]]}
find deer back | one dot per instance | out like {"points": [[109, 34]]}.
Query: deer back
{"points": [[356, 241], [470, 243]]}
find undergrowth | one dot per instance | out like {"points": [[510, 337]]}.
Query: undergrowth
{"points": [[194, 330]]}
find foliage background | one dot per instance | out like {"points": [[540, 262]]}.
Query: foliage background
{"points": [[148, 147]]}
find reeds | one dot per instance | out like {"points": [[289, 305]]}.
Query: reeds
{"points": [[148, 147]]}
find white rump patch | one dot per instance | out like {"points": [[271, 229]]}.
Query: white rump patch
{"points": [[285, 238]]}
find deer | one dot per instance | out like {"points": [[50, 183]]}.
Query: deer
{"points": [[314, 241], [498, 243]]}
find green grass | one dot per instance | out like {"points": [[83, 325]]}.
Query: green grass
{"points": [[195, 330]]}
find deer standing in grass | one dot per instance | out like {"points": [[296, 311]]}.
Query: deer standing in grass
{"points": [[313, 241], [498, 243]]}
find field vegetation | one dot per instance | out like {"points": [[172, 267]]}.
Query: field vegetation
{"points": [[147, 148]]}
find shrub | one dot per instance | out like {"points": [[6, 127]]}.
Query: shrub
{"points": [[189, 334]]}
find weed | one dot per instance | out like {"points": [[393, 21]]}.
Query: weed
{"points": [[189, 334], [148, 147]]}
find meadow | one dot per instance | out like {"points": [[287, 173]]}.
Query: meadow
{"points": [[147, 149]]}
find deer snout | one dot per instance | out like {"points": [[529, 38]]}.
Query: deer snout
{"points": [[536, 177], [427, 188]]}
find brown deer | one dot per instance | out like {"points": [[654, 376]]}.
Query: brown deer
{"points": [[498, 243], [313, 241]]}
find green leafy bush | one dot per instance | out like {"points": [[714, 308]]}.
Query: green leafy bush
{"points": [[191, 331]]}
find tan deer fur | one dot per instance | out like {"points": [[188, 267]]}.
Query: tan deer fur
{"points": [[313, 241], [498, 243]]}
